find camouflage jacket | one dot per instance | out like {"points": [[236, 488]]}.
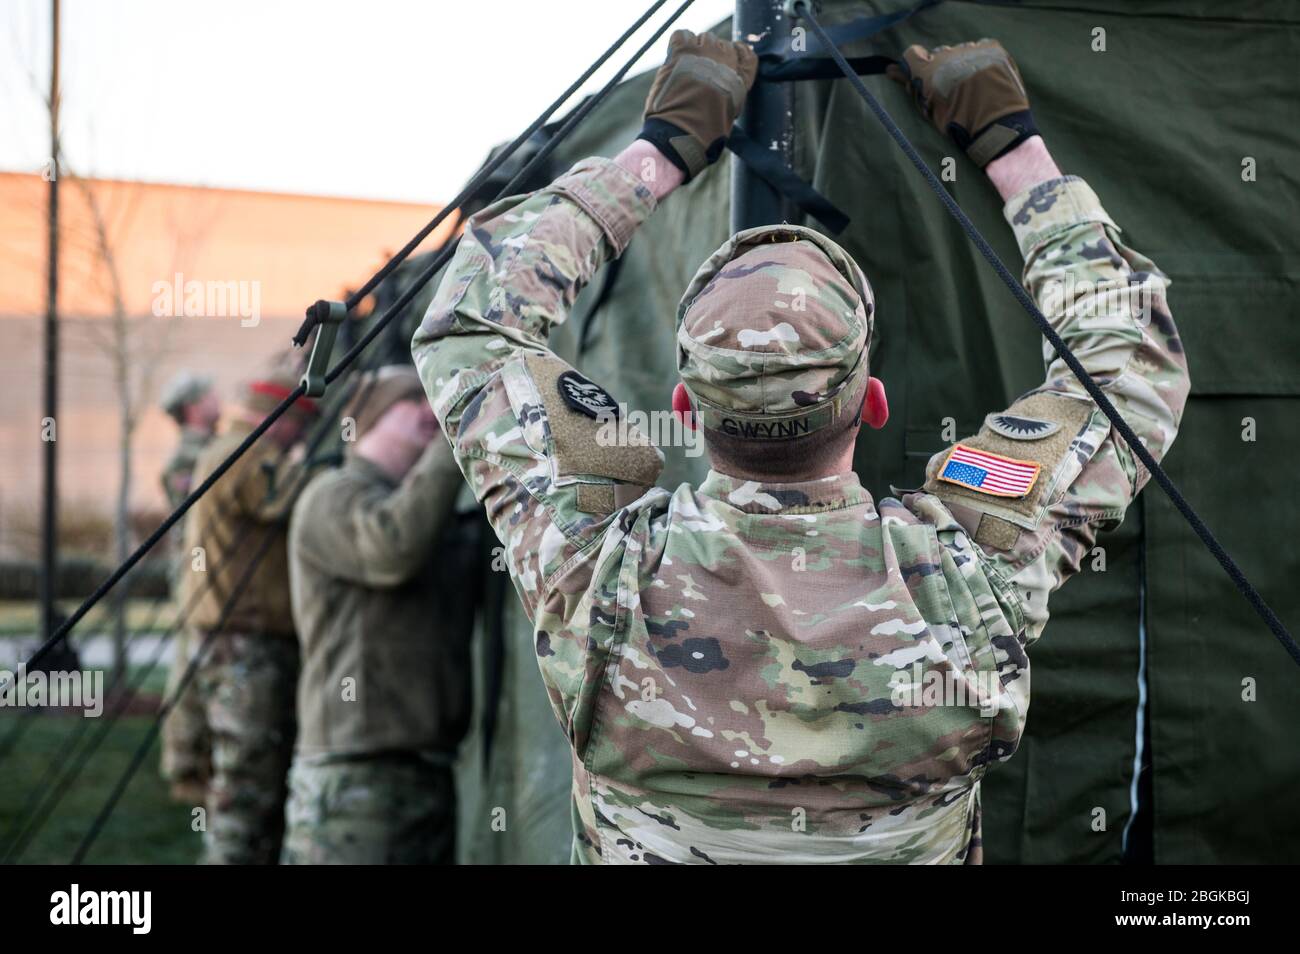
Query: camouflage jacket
{"points": [[375, 601], [178, 474], [783, 672], [251, 499]]}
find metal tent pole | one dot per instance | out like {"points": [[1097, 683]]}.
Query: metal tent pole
{"points": [[49, 503], [768, 118]]}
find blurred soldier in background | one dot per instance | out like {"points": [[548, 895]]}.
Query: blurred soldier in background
{"points": [[191, 402], [384, 622], [249, 661]]}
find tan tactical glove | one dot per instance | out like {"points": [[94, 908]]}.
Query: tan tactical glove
{"points": [[696, 97], [973, 93]]}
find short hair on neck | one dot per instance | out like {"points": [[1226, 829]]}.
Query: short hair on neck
{"points": [[786, 461]]}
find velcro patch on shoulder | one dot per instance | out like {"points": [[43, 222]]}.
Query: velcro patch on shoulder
{"points": [[1014, 458], [996, 533], [596, 498], [588, 436]]}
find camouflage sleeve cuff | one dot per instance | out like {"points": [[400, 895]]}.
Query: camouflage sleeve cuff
{"points": [[1042, 212], [611, 195]]}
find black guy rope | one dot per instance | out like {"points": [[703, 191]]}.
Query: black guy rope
{"points": [[192, 667], [7, 746], [45, 797], [353, 299], [474, 184], [29, 715], [191, 670], [44, 801], [396, 308]]}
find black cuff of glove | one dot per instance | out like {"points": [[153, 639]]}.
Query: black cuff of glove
{"points": [[680, 147], [997, 138]]}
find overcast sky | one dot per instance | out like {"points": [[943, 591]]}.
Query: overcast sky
{"points": [[386, 99]]}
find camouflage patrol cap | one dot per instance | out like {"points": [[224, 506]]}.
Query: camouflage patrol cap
{"points": [[184, 388], [773, 334]]}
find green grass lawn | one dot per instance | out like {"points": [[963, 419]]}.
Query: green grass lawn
{"points": [[145, 828]]}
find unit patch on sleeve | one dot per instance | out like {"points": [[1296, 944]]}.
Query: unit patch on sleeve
{"points": [[1021, 428], [989, 473], [585, 396]]}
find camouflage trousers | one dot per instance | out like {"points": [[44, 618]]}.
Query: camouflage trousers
{"points": [[186, 741], [397, 809], [247, 682]]}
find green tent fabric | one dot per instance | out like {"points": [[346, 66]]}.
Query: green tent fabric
{"points": [[1163, 122]]}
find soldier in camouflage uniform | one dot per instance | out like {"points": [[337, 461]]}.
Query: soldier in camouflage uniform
{"points": [[772, 666], [249, 662], [191, 402], [383, 624]]}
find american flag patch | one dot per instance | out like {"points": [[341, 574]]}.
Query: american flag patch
{"points": [[989, 473]]}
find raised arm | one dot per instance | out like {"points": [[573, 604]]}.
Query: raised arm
{"points": [[1040, 478], [523, 425], [375, 536]]}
